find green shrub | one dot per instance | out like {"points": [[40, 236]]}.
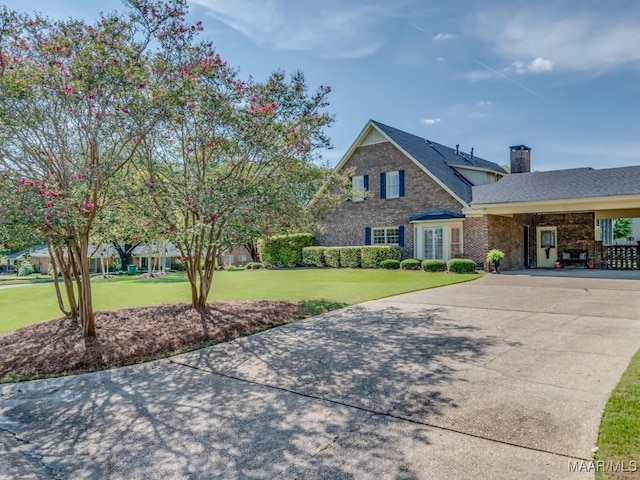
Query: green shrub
{"points": [[350, 257], [332, 257], [254, 266], [461, 265], [390, 264], [410, 264], [313, 257], [371, 256], [434, 265], [178, 266], [495, 255], [25, 269], [284, 250]]}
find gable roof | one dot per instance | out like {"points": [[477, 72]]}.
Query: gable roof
{"points": [[560, 185], [435, 159]]}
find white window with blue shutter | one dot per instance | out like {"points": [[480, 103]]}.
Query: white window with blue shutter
{"points": [[392, 184], [359, 187], [385, 236]]}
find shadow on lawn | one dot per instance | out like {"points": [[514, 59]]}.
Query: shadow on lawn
{"points": [[281, 404]]}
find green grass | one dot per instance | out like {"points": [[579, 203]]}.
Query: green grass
{"points": [[15, 280], [619, 439], [22, 306]]}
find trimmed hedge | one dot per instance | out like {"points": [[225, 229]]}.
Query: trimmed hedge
{"points": [[390, 264], [410, 264], [253, 266], [313, 257], [284, 250], [434, 265], [332, 257], [461, 265], [371, 256], [350, 257]]}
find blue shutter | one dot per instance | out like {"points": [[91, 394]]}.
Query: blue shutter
{"points": [[401, 235], [366, 182], [383, 185], [367, 235], [401, 181]]}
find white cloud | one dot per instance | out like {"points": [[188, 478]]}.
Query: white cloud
{"points": [[477, 75], [440, 59], [562, 38], [484, 103], [540, 65], [333, 28], [445, 36], [430, 121]]}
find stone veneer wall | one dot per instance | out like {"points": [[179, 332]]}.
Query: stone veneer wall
{"points": [[575, 230], [346, 224]]}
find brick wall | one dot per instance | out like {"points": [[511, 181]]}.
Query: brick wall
{"points": [[506, 234], [476, 239], [575, 230], [346, 224]]}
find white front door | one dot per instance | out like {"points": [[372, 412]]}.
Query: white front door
{"points": [[547, 246], [433, 243]]}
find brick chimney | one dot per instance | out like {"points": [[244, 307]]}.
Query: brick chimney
{"points": [[520, 159]]}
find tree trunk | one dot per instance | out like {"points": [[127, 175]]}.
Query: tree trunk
{"points": [[83, 280], [56, 282], [65, 267], [252, 248]]}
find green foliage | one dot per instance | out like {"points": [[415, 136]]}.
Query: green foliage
{"points": [[332, 257], [178, 266], [621, 228], [371, 256], [390, 264], [24, 267], [433, 265], [313, 257], [350, 257], [461, 265], [254, 266], [284, 250], [494, 254], [410, 264]]}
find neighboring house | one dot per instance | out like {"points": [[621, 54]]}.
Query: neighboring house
{"points": [[435, 202], [413, 194], [239, 255]]}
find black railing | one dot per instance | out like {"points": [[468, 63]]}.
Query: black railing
{"points": [[621, 257]]}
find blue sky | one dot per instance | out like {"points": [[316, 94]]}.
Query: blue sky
{"points": [[561, 77]]}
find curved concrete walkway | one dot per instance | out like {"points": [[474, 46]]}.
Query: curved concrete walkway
{"points": [[505, 377]]}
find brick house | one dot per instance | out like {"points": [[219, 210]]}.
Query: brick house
{"points": [[413, 194], [435, 202]]}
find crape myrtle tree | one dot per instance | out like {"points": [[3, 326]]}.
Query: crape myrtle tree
{"points": [[77, 101], [230, 162]]}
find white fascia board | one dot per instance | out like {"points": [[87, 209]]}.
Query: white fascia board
{"points": [[589, 204]]}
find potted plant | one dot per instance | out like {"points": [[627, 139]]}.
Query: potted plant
{"points": [[493, 257]]}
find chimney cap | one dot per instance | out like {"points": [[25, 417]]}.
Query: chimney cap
{"points": [[520, 147]]}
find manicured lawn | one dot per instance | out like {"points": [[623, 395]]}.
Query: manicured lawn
{"points": [[22, 306], [619, 439]]}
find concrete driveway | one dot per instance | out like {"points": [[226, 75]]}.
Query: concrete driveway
{"points": [[505, 377]]}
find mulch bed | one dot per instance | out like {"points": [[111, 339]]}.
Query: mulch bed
{"points": [[131, 335]]}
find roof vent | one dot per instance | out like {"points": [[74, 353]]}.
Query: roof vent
{"points": [[457, 149], [471, 153]]}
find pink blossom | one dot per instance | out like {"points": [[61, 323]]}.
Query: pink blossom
{"points": [[214, 217], [124, 110], [141, 86], [89, 206], [18, 189], [58, 48], [68, 89], [80, 176], [50, 203], [189, 202], [47, 218], [135, 238], [23, 181]]}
